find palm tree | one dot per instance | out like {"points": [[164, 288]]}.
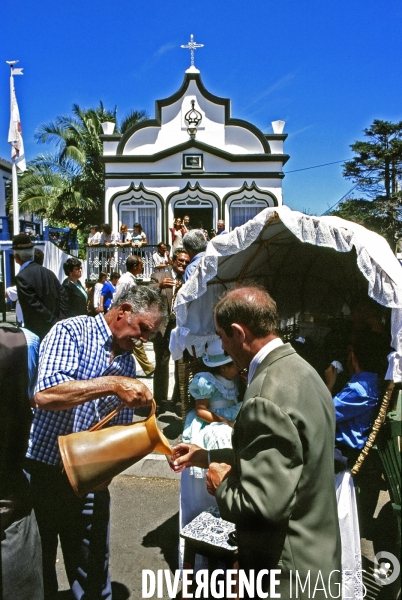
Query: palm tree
{"points": [[132, 118], [68, 185], [51, 187]]}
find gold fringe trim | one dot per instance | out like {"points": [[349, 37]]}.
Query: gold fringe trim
{"points": [[375, 429]]}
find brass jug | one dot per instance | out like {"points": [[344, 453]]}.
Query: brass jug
{"points": [[92, 458]]}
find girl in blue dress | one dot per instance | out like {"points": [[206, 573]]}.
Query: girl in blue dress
{"points": [[215, 392], [209, 425]]}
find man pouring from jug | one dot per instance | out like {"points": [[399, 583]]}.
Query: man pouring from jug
{"points": [[86, 369]]}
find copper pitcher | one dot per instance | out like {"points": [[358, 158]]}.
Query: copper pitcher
{"points": [[92, 458]]}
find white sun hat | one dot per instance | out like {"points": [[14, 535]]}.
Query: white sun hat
{"points": [[214, 355]]}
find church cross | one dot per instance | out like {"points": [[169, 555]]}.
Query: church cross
{"points": [[192, 46]]}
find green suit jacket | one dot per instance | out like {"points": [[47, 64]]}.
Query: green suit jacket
{"points": [[281, 493]]}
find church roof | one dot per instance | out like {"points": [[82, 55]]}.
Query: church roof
{"points": [[218, 134]]}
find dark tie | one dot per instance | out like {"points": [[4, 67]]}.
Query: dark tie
{"points": [[179, 283]]}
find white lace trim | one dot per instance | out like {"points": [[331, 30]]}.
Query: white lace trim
{"points": [[229, 393], [350, 536]]}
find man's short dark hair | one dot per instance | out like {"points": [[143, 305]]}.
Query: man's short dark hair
{"points": [[39, 256], [94, 227], [251, 306], [132, 261], [195, 241], [69, 265], [371, 350], [115, 275], [107, 228], [177, 252]]}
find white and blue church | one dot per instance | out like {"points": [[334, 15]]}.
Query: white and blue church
{"points": [[192, 159]]}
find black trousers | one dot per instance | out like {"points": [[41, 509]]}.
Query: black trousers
{"points": [[82, 524], [161, 374]]}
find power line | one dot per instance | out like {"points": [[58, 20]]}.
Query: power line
{"points": [[339, 201], [347, 194], [317, 166]]}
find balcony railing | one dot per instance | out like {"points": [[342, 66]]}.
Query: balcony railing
{"points": [[113, 258]]}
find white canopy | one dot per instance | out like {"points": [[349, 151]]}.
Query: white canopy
{"points": [[55, 259], [307, 263]]}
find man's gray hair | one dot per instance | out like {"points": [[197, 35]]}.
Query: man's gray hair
{"points": [[195, 241], [25, 254], [142, 299]]}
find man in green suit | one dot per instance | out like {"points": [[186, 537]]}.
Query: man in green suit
{"points": [[277, 485]]}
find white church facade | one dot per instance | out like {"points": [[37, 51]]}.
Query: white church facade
{"points": [[192, 159]]}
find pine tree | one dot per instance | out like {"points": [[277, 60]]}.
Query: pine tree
{"points": [[377, 171]]}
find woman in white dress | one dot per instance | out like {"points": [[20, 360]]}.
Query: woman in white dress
{"points": [[177, 232]]}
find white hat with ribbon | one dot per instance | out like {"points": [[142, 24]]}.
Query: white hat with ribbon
{"points": [[214, 355]]}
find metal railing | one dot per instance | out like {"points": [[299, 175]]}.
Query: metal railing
{"points": [[113, 258]]}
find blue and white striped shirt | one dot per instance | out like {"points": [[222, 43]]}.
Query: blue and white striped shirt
{"points": [[75, 349]]}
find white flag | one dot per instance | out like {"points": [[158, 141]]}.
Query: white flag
{"points": [[15, 131]]}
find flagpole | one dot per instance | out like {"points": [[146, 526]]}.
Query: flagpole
{"points": [[14, 178], [17, 147], [16, 208]]}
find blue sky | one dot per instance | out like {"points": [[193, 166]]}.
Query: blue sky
{"points": [[326, 68]]}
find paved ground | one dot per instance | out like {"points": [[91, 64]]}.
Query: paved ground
{"points": [[144, 533]]}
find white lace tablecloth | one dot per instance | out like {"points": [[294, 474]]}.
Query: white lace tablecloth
{"points": [[209, 528]]}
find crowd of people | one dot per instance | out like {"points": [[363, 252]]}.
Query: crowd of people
{"points": [[104, 235], [265, 437]]}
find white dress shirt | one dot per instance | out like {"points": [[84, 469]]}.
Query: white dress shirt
{"points": [[259, 357], [126, 281]]}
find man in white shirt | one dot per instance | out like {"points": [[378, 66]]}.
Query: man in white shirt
{"points": [[161, 258], [94, 236], [134, 267]]}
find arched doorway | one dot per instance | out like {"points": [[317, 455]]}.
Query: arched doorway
{"points": [[200, 213], [200, 205]]}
